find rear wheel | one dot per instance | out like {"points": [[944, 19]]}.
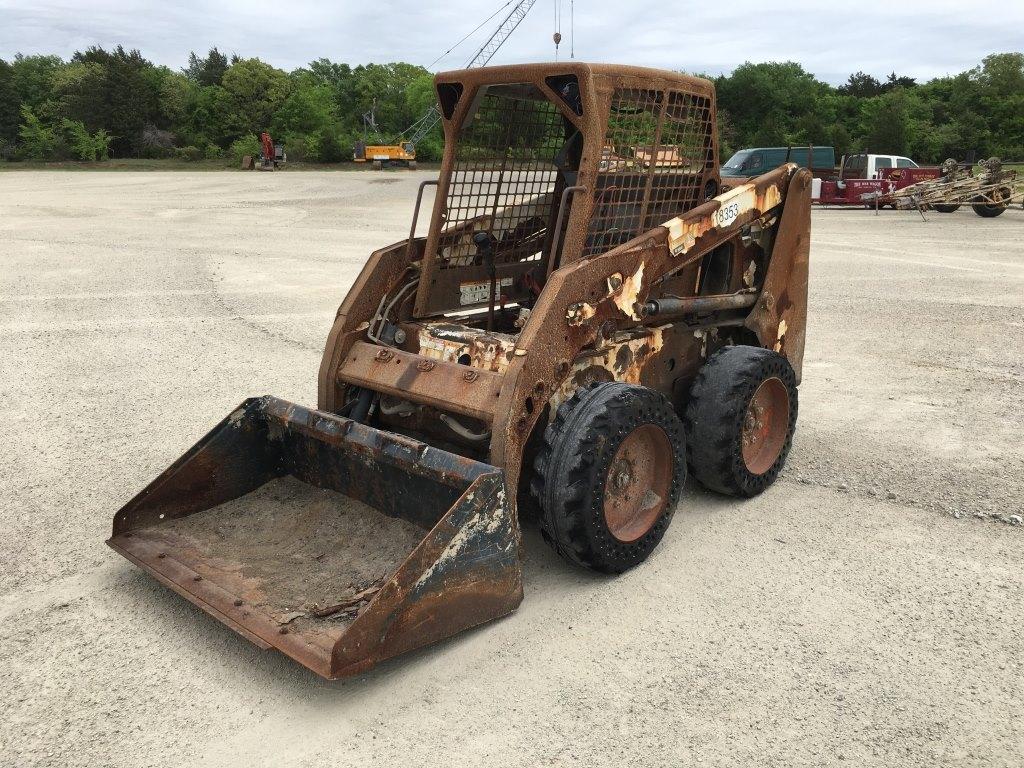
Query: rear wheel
{"points": [[740, 419], [1000, 202], [609, 474], [378, 165]]}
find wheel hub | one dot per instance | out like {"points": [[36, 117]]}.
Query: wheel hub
{"points": [[638, 483], [765, 426]]}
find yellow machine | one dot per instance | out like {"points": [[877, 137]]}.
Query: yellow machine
{"points": [[382, 155]]}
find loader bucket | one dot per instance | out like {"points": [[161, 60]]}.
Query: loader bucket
{"points": [[336, 543]]}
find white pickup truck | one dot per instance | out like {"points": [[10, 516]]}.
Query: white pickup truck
{"points": [[868, 166]]}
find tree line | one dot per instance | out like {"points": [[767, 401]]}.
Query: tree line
{"points": [[780, 104], [117, 103]]}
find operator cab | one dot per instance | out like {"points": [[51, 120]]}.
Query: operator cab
{"points": [[547, 164]]}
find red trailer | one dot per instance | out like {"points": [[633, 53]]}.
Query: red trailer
{"points": [[864, 191], [865, 179]]}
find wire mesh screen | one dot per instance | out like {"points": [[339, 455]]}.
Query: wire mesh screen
{"points": [[503, 177], [656, 149]]}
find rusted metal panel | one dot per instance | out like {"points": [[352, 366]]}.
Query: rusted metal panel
{"points": [[780, 316], [740, 203], [380, 275], [620, 358], [474, 347], [450, 386]]}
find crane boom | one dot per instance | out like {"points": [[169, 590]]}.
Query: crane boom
{"points": [[429, 119], [501, 34]]}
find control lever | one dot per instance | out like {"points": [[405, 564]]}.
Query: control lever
{"points": [[485, 250]]}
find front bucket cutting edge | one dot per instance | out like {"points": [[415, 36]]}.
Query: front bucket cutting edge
{"points": [[336, 543]]}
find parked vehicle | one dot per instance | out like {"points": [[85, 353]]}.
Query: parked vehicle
{"points": [[752, 162], [865, 166]]}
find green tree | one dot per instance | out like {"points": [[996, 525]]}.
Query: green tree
{"points": [[33, 78], [862, 86], [1001, 82], [766, 100], [954, 106], [258, 91], [84, 145], [895, 81], [206, 71], [887, 123], [10, 105], [839, 138], [332, 149], [178, 96], [245, 145], [385, 88], [309, 108], [213, 118], [132, 95], [38, 141], [79, 91]]}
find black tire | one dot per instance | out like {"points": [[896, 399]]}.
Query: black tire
{"points": [[579, 471], [717, 420], [946, 207], [991, 210]]}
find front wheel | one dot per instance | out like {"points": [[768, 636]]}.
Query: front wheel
{"points": [[740, 419], [946, 207], [609, 474]]}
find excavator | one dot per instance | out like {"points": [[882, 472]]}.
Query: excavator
{"points": [[272, 156], [580, 331]]}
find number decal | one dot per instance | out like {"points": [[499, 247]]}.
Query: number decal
{"points": [[726, 215]]}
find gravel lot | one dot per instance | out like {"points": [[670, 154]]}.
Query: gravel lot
{"points": [[868, 610]]}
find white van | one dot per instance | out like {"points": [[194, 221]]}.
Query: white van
{"points": [[867, 166]]}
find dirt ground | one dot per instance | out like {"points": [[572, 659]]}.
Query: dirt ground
{"points": [[867, 611]]}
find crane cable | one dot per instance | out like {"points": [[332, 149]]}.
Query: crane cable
{"points": [[464, 39], [572, 29], [557, 37]]}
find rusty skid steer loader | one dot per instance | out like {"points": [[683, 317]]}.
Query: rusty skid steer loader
{"points": [[585, 319]]}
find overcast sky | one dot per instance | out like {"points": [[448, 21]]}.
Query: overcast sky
{"points": [[919, 38]]}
